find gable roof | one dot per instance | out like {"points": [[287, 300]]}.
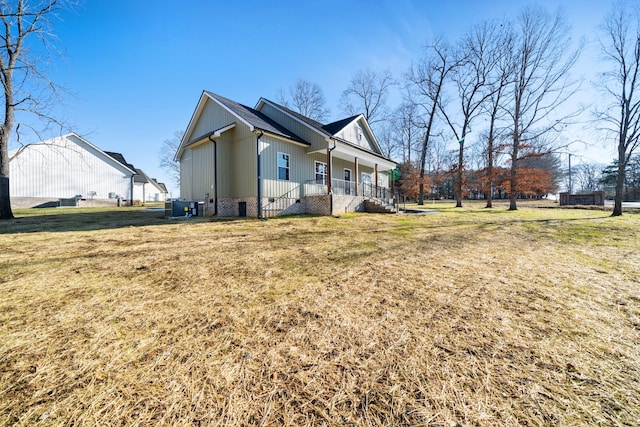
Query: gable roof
{"points": [[317, 126], [337, 126], [160, 185], [140, 176], [331, 129], [116, 158], [120, 159], [254, 118]]}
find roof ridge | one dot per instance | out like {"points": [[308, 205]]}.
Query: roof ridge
{"points": [[311, 122], [256, 118]]}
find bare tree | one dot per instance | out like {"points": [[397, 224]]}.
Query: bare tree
{"points": [[500, 78], [26, 87], [586, 177], [478, 54], [404, 123], [167, 154], [426, 82], [307, 99], [621, 48], [542, 61], [367, 93]]}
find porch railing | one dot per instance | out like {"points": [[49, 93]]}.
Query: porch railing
{"points": [[347, 188], [376, 192]]}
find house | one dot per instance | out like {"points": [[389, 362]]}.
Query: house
{"points": [[148, 189], [270, 160], [67, 169]]}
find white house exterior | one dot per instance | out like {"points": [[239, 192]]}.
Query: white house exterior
{"points": [[148, 189], [269, 160], [69, 167]]}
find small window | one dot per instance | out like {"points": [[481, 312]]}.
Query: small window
{"points": [[321, 173], [283, 166]]}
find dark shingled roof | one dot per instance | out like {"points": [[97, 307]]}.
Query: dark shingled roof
{"points": [[256, 118], [336, 127], [140, 177], [160, 184], [315, 124], [330, 129], [120, 159]]}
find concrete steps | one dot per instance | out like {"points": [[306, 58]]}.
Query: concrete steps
{"points": [[378, 206]]}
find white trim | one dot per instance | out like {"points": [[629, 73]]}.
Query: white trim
{"points": [[364, 157], [81, 141], [230, 111], [262, 101], [288, 167], [315, 172], [196, 115], [282, 138], [367, 129]]}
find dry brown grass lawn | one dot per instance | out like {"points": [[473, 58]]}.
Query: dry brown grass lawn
{"points": [[461, 317]]}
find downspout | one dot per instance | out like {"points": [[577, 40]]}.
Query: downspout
{"points": [[215, 176], [329, 171], [258, 172], [131, 198]]}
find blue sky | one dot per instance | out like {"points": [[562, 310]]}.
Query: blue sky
{"points": [[136, 69]]}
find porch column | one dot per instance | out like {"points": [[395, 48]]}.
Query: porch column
{"points": [[376, 180], [355, 167], [328, 170]]}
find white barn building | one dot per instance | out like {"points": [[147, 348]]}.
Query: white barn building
{"points": [[70, 167]]}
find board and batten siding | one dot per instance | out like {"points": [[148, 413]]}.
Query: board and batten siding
{"points": [[203, 166], [301, 168], [213, 117], [244, 175], [186, 173], [356, 134], [198, 162], [317, 141], [65, 168]]}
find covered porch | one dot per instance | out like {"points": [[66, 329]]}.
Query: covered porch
{"points": [[350, 171]]}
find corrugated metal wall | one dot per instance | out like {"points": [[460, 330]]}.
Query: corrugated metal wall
{"points": [[65, 168]]}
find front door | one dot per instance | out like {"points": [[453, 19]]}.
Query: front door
{"points": [[347, 181]]}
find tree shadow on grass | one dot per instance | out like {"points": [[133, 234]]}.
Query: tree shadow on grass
{"points": [[63, 220]]}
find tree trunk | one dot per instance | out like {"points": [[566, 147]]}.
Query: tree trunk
{"points": [[513, 178], [622, 165], [459, 174], [423, 160], [490, 175], [5, 202], [5, 131]]}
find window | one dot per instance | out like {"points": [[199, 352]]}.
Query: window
{"points": [[321, 173], [283, 166], [347, 183]]}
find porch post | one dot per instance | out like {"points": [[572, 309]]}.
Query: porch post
{"points": [[328, 171], [376, 180], [355, 167]]}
